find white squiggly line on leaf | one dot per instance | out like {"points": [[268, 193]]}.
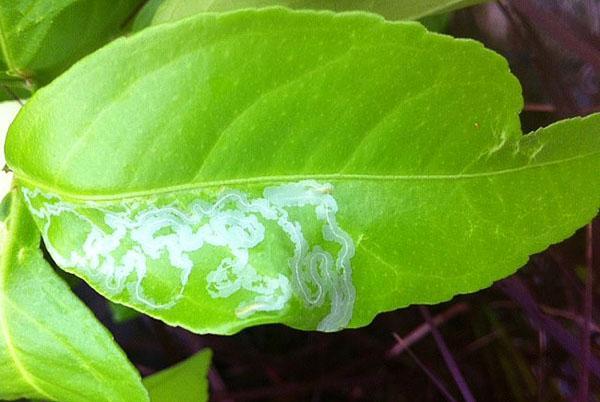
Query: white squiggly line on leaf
{"points": [[140, 233]]}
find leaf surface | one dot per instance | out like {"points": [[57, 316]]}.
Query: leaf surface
{"points": [[39, 39], [51, 345], [307, 168], [184, 382]]}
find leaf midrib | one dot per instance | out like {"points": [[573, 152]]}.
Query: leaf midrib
{"points": [[264, 180]]}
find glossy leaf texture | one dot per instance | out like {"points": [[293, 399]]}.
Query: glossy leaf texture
{"points": [[185, 382], [161, 11], [39, 39], [51, 346], [307, 168]]}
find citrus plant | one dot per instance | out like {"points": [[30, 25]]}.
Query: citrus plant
{"points": [[223, 168]]}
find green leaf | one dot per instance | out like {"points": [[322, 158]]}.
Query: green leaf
{"points": [[184, 382], [307, 168], [39, 39], [8, 111], [121, 313], [161, 11], [436, 23], [51, 346], [11, 90]]}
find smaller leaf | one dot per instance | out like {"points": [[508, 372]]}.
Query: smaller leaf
{"points": [[162, 11], [184, 382], [121, 313], [436, 23], [11, 90], [39, 39], [51, 346]]}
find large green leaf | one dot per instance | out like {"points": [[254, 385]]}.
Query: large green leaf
{"points": [[51, 345], [39, 39], [184, 382], [161, 11], [307, 168]]}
